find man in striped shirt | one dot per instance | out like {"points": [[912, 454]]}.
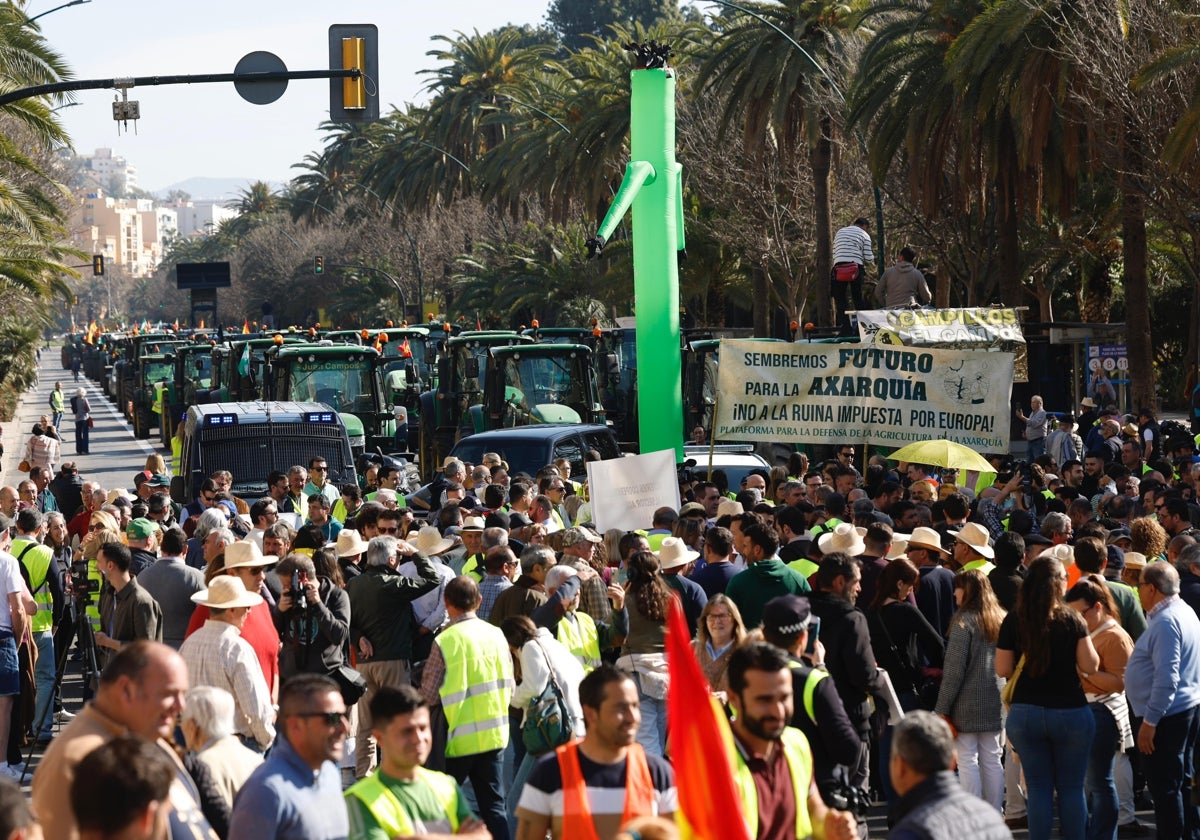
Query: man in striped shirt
{"points": [[851, 247]]}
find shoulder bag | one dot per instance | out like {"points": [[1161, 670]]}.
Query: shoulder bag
{"points": [[924, 686], [548, 719], [351, 683], [1010, 687]]}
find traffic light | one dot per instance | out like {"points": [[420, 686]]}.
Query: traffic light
{"points": [[98, 265], [318, 265], [354, 47]]}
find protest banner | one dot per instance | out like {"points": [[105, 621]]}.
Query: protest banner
{"points": [[862, 393], [625, 492], [974, 328]]}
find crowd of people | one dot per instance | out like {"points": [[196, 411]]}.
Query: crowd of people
{"points": [[477, 659]]}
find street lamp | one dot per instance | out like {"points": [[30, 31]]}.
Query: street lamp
{"points": [[55, 9]]}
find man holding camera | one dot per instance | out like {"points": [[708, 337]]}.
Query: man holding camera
{"points": [[313, 620]]}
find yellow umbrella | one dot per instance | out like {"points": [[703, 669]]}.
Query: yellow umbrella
{"points": [[942, 453]]}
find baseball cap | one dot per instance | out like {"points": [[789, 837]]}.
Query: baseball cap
{"points": [[140, 529], [691, 507], [786, 615], [573, 536], [158, 480], [144, 475]]}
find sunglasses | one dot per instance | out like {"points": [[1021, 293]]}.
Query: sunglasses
{"points": [[388, 530], [330, 718], [319, 469]]}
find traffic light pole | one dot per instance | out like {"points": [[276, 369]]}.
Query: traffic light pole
{"points": [[190, 79]]}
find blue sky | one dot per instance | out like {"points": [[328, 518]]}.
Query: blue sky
{"points": [[208, 130]]}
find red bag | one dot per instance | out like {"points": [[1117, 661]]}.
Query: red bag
{"points": [[91, 423], [845, 272]]}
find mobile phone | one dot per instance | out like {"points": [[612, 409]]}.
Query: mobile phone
{"points": [[814, 630]]}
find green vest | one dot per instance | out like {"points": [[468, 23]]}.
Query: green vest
{"points": [[799, 759], [982, 565], [805, 567], [96, 583], [827, 526], [581, 638], [36, 560], [389, 812], [56, 401], [476, 688]]}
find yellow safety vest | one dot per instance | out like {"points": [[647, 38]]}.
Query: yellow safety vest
{"points": [[805, 567], [387, 810], [581, 638], [984, 566], [96, 581], [810, 688], [799, 758], [176, 454], [656, 540], [477, 687], [36, 560]]}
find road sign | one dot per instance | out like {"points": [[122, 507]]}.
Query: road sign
{"points": [[1113, 359], [260, 92]]}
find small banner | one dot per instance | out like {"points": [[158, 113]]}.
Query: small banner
{"points": [[625, 492], [976, 328], [860, 393]]}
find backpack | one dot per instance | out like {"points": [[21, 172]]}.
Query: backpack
{"points": [[1175, 435]]}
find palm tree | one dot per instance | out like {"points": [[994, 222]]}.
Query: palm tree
{"points": [[785, 99]]}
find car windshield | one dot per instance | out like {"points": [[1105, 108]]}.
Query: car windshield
{"points": [[158, 371], [527, 456], [533, 381]]}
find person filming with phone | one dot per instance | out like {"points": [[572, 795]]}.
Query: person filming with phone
{"points": [[312, 617]]}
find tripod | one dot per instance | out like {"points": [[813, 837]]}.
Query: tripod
{"points": [[86, 640]]}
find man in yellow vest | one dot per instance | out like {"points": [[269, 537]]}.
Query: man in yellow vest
{"points": [[469, 671], [772, 762], [973, 548], [402, 798], [45, 582]]}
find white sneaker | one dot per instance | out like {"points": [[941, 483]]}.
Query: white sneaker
{"points": [[64, 716]]}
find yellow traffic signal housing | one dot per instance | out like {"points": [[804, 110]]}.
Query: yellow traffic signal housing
{"points": [[354, 47], [98, 265]]}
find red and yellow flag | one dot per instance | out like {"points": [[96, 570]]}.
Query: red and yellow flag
{"points": [[709, 805], [405, 350], [246, 326]]}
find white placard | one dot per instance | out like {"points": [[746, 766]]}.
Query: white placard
{"points": [[625, 492]]}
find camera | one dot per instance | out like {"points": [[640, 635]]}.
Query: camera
{"points": [[297, 590], [843, 796], [81, 585]]}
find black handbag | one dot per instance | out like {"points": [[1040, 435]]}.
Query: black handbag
{"points": [[352, 684], [926, 683], [548, 720]]}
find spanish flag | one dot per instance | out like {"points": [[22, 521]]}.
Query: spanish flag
{"points": [[405, 350], [709, 805], [246, 326]]}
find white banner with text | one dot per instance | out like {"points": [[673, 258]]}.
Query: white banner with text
{"points": [[858, 393], [625, 492]]}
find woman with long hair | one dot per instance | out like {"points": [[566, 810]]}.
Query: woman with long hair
{"points": [[1049, 724], [1105, 692], [778, 477], [718, 632], [969, 696], [904, 643], [644, 655], [691, 531]]}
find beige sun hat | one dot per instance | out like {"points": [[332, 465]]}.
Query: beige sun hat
{"points": [[350, 543], [472, 523], [729, 507], [898, 548], [429, 541], [978, 538], [674, 553], [1065, 554], [246, 554], [844, 538], [226, 592], [926, 538], [1135, 560]]}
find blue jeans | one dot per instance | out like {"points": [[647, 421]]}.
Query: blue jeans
{"points": [[1169, 770], [1054, 745], [518, 785], [652, 731], [1037, 448], [485, 770], [1098, 784], [44, 674]]}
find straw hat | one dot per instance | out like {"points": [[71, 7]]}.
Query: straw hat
{"points": [[350, 543], [1088, 402], [926, 538], [1064, 554], [898, 548], [430, 542], [1135, 560], [226, 592], [730, 507], [977, 537], [246, 554], [843, 538], [674, 553], [472, 523]]}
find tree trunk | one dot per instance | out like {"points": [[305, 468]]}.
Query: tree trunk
{"points": [[821, 158], [1008, 218], [1137, 298], [1095, 292], [762, 302]]}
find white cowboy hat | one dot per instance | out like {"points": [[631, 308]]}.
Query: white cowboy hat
{"points": [[1087, 402], [978, 538], [472, 523], [226, 592], [674, 553], [430, 542], [843, 538], [246, 554], [350, 543], [898, 548], [730, 507], [926, 538], [1064, 554]]}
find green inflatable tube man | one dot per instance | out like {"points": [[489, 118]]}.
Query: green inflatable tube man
{"points": [[653, 187]]}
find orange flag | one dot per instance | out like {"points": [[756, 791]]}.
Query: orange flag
{"points": [[709, 805], [405, 350], [246, 326]]}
